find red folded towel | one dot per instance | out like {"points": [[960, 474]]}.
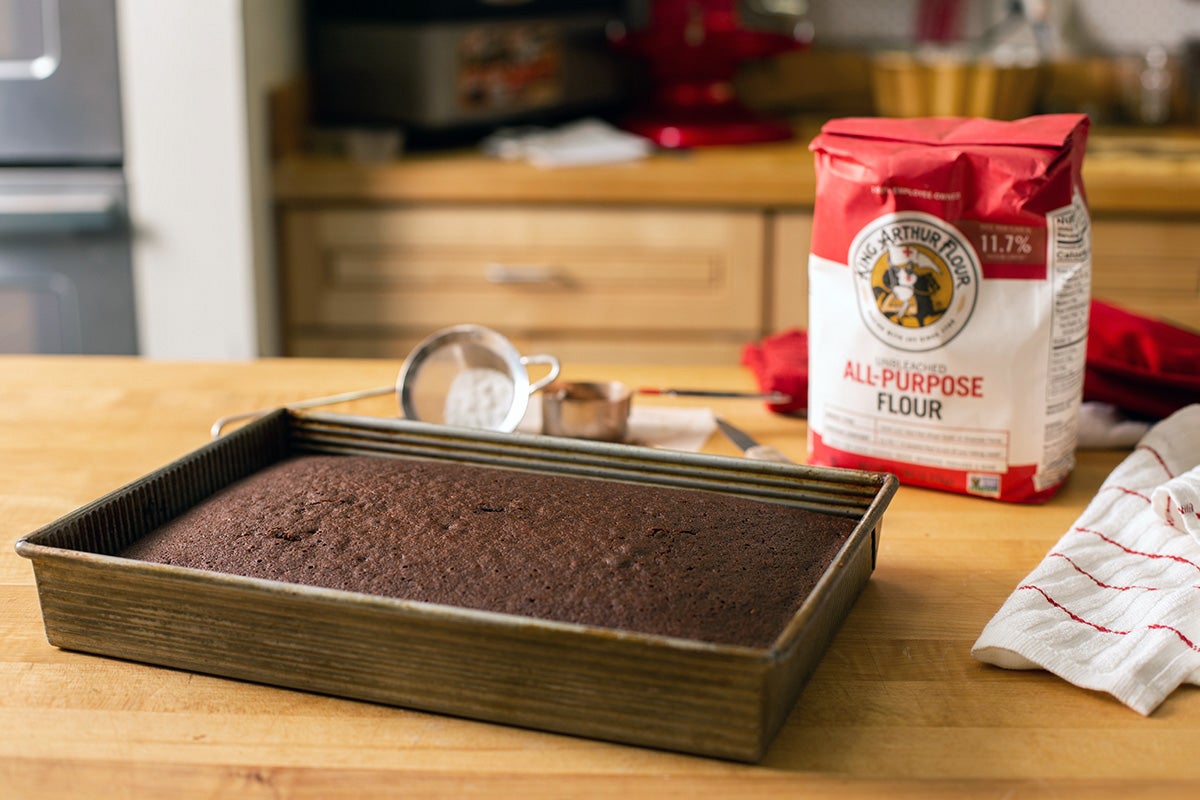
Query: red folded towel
{"points": [[1140, 365], [1144, 367], [780, 363]]}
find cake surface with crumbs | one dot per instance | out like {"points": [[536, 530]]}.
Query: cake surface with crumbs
{"points": [[677, 562]]}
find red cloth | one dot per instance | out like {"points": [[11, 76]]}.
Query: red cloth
{"points": [[780, 363], [1145, 367]]}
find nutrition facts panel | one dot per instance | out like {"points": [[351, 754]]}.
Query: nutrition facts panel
{"points": [[967, 449], [1069, 261]]}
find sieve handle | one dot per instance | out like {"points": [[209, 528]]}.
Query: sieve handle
{"points": [[555, 368]]}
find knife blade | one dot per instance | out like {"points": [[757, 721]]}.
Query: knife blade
{"points": [[749, 445]]}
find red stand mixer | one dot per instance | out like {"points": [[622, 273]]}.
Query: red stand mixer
{"points": [[691, 51]]}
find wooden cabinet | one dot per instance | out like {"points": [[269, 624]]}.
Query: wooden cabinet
{"points": [[584, 283], [683, 257], [617, 284]]}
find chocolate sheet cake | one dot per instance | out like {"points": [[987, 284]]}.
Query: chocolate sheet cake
{"points": [[686, 563]]}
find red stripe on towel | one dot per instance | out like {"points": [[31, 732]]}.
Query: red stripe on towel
{"points": [[1096, 580], [1154, 626], [1069, 612], [1132, 552], [1177, 632], [1126, 490], [1158, 457]]}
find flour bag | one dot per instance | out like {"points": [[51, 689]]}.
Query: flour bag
{"points": [[949, 285]]}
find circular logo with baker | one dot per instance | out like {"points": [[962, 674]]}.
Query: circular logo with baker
{"points": [[916, 280]]}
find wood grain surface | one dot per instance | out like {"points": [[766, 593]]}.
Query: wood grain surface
{"points": [[897, 708]]}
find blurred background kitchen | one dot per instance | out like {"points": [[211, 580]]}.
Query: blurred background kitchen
{"points": [[238, 178]]}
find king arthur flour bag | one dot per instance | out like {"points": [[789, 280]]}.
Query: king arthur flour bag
{"points": [[949, 284]]}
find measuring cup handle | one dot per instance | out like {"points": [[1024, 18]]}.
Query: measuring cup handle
{"points": [[555, 368]]}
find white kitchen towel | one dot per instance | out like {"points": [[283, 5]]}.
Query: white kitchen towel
{"points": [[1102, 426], [1115, 605], [574, 144], [1177, 502]]}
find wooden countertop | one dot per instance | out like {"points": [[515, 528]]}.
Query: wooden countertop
{"points": [[897, 707], [1124, 172]]}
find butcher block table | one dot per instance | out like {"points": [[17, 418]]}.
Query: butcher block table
{"points": [[897, 708]]}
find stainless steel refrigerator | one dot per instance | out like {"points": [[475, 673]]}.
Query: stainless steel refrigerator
{"points": [[66, 277]]}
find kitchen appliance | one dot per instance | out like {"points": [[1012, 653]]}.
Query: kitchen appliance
{"points": [[66, 276], [447, 69], [689, 52]]}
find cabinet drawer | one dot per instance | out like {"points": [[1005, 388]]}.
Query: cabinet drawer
{"points": [[573, 269]]}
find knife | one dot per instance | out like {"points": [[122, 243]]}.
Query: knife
{"points": [[770, 397], [750, 447]]}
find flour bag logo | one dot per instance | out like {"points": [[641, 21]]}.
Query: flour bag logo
{"points": [[916, 280]]}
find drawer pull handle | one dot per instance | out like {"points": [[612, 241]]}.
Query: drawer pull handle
{"points": [[524, 274]]}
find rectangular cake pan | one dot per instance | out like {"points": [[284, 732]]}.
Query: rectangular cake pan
{"points": [[676, 694]]}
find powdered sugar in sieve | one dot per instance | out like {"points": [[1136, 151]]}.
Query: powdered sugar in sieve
{"points": [[479, 398]]}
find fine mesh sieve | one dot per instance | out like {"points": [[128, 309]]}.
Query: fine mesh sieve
{"points": [[467, 376]]}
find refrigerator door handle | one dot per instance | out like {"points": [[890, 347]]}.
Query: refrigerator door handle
{"points": [[74, 212]]}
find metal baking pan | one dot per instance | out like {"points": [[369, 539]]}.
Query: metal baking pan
{"points": [[671, 693]]}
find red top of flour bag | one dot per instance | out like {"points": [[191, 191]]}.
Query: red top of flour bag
{"points": [[1048, 130], [1021, 169], [949, 282]]}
